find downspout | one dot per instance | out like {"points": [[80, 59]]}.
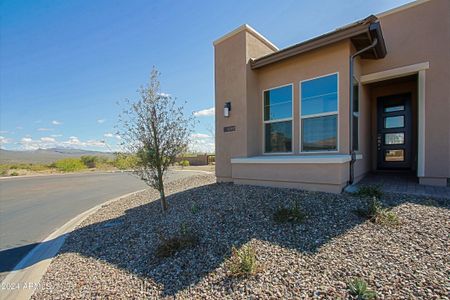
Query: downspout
{"points": [[351, 151]]}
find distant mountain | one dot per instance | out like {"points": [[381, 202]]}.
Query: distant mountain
{"points": [[46, 155]]}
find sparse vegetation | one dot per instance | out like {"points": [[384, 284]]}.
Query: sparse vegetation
{"points": [[243, 261], [186, 238], [377, 214], [291, 214], [125, 161], [14, 174], [370, 191], [69, 165], [195, 208], [184, 163], [359, 289]]}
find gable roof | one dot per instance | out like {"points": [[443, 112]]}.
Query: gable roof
{"points": [[361, 33]]}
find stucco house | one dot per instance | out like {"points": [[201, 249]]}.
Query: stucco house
{"points": [[367, 97]]}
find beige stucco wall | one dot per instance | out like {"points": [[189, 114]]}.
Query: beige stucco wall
{"points": [[327, 60], [316, 177], [415, 35], [235, 82]]}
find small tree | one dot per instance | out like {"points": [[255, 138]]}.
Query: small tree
{"points": [[156, 130]]}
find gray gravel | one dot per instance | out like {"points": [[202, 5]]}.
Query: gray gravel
{"points": [[111, 255]]}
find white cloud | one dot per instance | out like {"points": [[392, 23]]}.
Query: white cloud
{"points": [[3, 131], [27, 143], [205, 112], [47, 139], [200, 136], [54, 122], [201, 142], [164, 94], [44, 129], [101, 121], [4, 140], [56, 135], [111, 135]]}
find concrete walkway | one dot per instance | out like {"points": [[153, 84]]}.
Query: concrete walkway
{"points": [[405, 184]]}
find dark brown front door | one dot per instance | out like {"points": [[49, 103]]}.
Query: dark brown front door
{"points": [[394, 132]]}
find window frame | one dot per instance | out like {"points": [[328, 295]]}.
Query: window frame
{"points": [[264, 122], [358, 148], [319, 115]]}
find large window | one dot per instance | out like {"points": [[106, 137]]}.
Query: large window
{"points": [[278, 120], [319, 113]]}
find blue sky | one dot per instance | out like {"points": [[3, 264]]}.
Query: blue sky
{"points": [[65, 64]]}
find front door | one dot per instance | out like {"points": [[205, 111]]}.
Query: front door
{"points": [[394, 134]]}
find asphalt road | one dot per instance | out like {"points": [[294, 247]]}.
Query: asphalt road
{"points": [[31, 208]]}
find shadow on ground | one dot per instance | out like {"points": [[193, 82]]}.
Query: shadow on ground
{"points": [[223, 215]]}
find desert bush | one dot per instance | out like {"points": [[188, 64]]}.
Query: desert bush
{"points": [[125, 161], [359, 289], [14, 174], [69, 165], [184, 239], [89, 161], [370, 191], [292, 214], [376, 213], [243, 261], [184, 163]]}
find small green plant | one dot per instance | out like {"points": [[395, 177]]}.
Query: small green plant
{"points": [[370, 191], [195, 208], [291, 214], [69, 165], [184, 163], [183, 240], [243, 261], [377, 214], [14, 174], [359, 289]]}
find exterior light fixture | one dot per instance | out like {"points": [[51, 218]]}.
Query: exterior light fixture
{"points": [[226, 109]]}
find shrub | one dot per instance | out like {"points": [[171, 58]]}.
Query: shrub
{"points": [[370, 191], [291, 214], [14, 174], [125, 161], [183, 240], [69, 165], [377, 214], [184, 163], [89, 161], [195, 208], [243, 261], [359, 289]]}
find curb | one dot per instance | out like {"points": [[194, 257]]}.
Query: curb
{"points": [[23, 281]]}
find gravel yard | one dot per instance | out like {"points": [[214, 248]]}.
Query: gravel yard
{"points": [[112, 254]]}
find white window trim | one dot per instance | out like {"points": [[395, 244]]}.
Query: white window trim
{"points": [[276, 121], [318, 115]]}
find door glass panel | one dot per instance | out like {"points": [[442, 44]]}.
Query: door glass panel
{"points": [[394, 155], [394, 122], [394, 138], [394, 108]]}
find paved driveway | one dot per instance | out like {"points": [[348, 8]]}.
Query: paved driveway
{"points": [[33, 207]]}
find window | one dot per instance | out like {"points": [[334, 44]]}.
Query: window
{"points": [[394, 122], [319, 113], [355, 116], [278, 120]]}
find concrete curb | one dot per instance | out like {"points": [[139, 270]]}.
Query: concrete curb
{"points": [[61, 174], [23, 281]]}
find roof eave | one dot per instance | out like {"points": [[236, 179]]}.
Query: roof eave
{"points": [[369, 26]]}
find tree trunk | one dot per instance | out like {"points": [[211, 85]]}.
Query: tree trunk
{"points": [[163, 200]]}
